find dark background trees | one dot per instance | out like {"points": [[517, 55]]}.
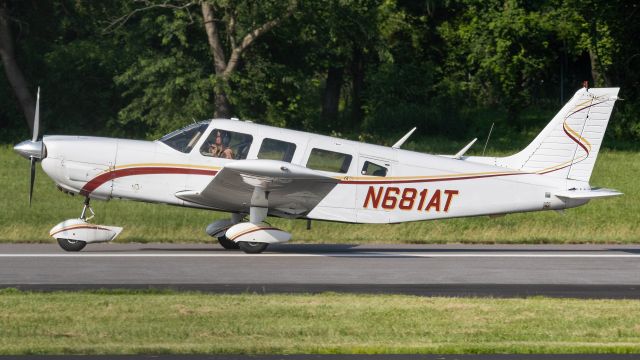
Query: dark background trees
{"points": [[366, 69]]}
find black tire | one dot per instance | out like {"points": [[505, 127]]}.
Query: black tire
{"points": [[71, 245], [228, 244], [252, 247]]}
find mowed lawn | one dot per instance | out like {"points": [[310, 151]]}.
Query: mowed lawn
{"points": [[113, 322], [601, 221]]}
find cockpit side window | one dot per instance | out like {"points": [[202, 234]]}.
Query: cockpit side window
{"points": [[186, 138], [373, 169], [227, 144]]}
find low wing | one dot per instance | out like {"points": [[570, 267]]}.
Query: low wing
{"points": [[283, 188]]}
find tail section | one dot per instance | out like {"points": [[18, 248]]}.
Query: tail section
{"points": [[568, 146]]}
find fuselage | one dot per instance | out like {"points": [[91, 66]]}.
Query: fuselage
{"points": [[377, 184]]}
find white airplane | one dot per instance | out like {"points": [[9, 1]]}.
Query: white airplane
{"points": [[253, 171]]}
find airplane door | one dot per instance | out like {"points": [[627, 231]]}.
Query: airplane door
{"points": [[339, 160], [374, 171]]}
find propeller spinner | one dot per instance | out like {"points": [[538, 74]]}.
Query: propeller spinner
{"points": [[32, 149]]}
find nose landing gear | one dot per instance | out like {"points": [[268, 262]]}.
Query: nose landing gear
{"points": [[75, 234]]}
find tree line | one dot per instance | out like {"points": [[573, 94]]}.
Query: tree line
{"points": [[365, 69]]}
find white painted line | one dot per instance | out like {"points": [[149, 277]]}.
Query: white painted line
{"points": [[342, 254]]}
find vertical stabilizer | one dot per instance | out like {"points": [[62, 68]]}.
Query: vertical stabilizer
{"points": [[568, 146]]}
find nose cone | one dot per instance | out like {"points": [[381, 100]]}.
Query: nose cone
{"points": [[29, 149]]}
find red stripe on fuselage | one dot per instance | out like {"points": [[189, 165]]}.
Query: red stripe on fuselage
{"points": [[94, 183]]}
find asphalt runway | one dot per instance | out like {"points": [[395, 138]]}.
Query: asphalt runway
{"points": [[580, 271]]}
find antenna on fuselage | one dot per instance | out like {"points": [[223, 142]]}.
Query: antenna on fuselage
{"points": [[462, 151], [403, 139], [488, 137]]}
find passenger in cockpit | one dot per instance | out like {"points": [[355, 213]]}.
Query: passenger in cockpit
{"points": [[227, 152]]}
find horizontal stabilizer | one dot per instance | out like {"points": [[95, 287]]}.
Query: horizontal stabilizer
{"points": [[588, 194]]}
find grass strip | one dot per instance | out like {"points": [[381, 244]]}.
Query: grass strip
{"points": [[601, 221], [162, 322]]}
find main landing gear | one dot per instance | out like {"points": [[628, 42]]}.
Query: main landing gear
{"points": [[228, 244], [75, 234], [252, 237]]}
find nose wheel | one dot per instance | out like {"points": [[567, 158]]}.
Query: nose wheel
{"points": [[77, 245], [71, 245]]}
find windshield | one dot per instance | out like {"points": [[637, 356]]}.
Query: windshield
{"points": [[184, 139]]}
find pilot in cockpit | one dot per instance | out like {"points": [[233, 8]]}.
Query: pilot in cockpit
{"points": [[220, 148]]}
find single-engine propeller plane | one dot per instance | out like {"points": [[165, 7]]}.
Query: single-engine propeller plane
{"points": [[253, 171]]}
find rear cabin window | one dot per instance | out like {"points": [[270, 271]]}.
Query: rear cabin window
{"points": [[272, 149], [227, 145], [373, 169], [326, 160]]}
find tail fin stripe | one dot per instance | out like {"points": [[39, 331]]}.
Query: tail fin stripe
{"points": [[568, 130], [555, 168], [575, 137], [586, 107]]}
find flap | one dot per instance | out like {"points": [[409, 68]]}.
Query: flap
{"points": [[290, 189]]}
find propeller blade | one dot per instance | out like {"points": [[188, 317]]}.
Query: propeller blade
{"points": [[36, 118], [33, 178]]}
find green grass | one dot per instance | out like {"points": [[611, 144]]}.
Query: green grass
{"points": [[601, 221], [125, 322]]}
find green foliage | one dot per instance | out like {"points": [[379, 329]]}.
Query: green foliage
{"points": [[500, 52], [168, 84], [165, 91], [130, 69]]}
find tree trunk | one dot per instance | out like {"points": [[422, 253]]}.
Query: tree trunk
{"points": [[357, 79], [331, 95], [224, 67], [12, 70], [599, 77], [221, 102], [223, 107]]}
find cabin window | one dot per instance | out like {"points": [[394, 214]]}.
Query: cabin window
{"points": [[326, 160], [373, 169], [227, 144], [186, 138], [276, 150]]}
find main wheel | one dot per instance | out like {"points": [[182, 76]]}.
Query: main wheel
{"points": [[228, 244], [71, 245], [252, 247]]}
